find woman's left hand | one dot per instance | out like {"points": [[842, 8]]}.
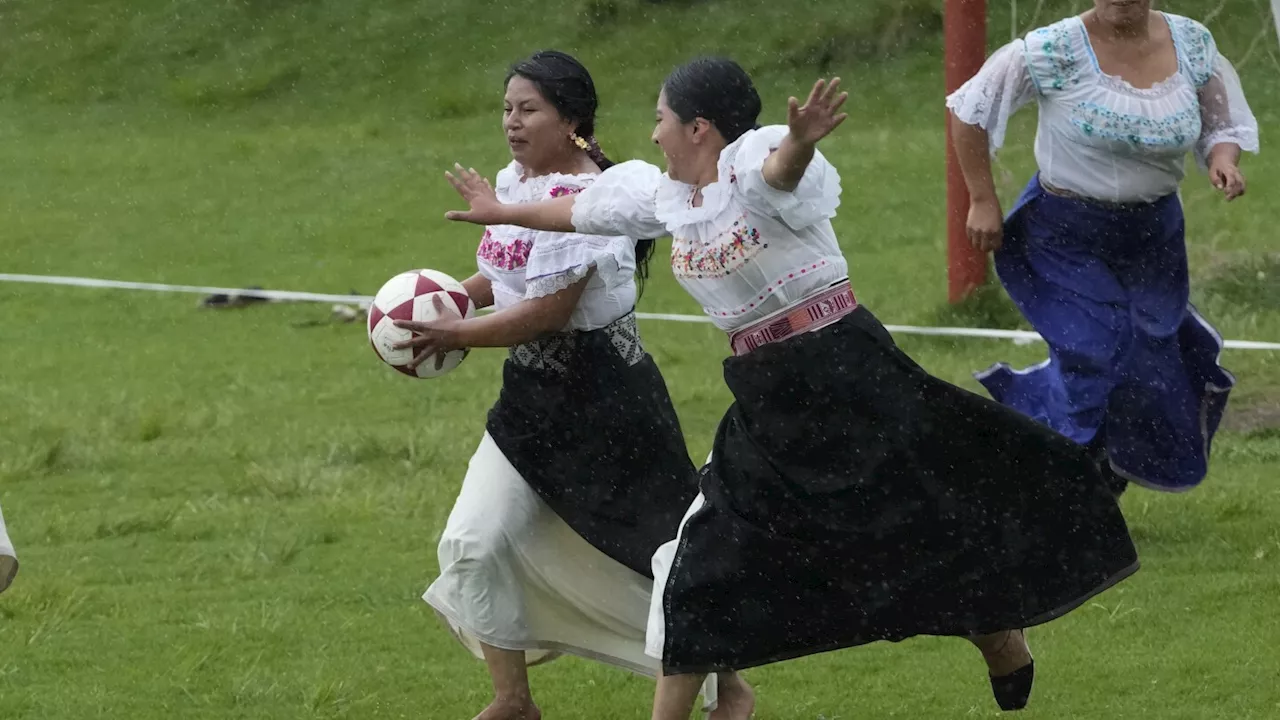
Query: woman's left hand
{"points": [[1226, 176], [814, 120], [433, 338]]}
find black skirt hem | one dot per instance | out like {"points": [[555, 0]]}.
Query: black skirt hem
{"points": [[1041, 619], [852, 497]]}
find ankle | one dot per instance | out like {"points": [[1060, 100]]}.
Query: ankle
{"points": [[511, 707], [996, 643], [514, 701], [1004, 652]]}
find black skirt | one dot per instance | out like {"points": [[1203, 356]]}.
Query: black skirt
{"points": [[852, 497], [586, 419]]}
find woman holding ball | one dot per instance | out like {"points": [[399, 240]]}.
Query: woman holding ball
{"points": [[582, 471], [851, 497]]}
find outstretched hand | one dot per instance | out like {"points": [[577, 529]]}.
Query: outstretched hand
{"points": [[814, 120], [485, 208]]}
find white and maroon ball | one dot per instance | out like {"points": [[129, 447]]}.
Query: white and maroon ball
{"points": [[408, 296]]}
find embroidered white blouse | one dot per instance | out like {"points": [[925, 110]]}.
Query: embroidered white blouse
{"points": [[749, 249], [525, 264], [1097, 135]]}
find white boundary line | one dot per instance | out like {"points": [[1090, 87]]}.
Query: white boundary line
{"points": [[1019, 336]]}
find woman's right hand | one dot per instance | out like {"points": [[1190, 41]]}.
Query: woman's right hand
{"points": [[985, 226], [475, 189]]}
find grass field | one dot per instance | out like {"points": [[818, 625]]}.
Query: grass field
{"points": [[232, 514]]}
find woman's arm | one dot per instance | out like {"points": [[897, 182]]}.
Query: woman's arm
{"points": [[620, 201], [972, 145], [985, 223], [526, 321], [485, 208], [546, 215], [806, 125], [480, 289], [1223, 132], [1228, 126], [979, 115]]}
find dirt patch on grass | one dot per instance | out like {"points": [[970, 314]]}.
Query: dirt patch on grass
{"points": [[1256, 418]]}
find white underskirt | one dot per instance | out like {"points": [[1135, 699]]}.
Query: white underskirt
{"points": [[656, 634], [515, 576], [663, 558]]}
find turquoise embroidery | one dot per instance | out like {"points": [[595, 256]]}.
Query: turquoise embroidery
{"points": [[1057, 52], [1197, 47], [1177, 131], [1054, 62]]}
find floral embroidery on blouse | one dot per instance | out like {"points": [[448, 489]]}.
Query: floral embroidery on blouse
{"points": [[1055, 44], [562, 190], [1193, 42], [728, 252], [1176, 131], [504, 256]]}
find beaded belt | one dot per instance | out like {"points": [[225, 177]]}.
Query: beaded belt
{"points": [[556, 352], [805, 316]]}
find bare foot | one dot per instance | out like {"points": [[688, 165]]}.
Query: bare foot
{"points": [[735, 701], [510, 709], [1005, 652]]}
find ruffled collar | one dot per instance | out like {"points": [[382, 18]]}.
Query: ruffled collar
{"points": [[674, 200], [510, 188]]}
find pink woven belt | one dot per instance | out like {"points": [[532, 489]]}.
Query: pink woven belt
{"points": [[809, 314]]}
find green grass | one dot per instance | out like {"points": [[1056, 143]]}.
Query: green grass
{"points": [[231, 514]]}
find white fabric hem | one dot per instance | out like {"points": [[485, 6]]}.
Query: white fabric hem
{"points": [[1245, 137], [551, 284], [551, 650], [663, 565], [515, 576]]}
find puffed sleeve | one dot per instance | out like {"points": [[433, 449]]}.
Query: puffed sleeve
{"points": [[1224, 112], [816, 197], [1225, 116], [990, 98], [621, 201], [559, 260]]}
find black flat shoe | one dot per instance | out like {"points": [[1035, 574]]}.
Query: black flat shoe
{"points": [[1012, 691]]}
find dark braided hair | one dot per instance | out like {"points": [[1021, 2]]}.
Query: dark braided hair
{"points": [[565, 83]]}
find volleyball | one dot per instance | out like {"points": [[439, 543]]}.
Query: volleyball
{"points": [[411, 296]]}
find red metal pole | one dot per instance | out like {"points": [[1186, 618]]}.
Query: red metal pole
{"points": [[964, 29]]}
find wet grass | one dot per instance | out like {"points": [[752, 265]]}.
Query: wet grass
{"points": [[233, 513]]}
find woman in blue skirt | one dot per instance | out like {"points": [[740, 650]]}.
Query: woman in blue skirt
{"points": [[1093, 252]]}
